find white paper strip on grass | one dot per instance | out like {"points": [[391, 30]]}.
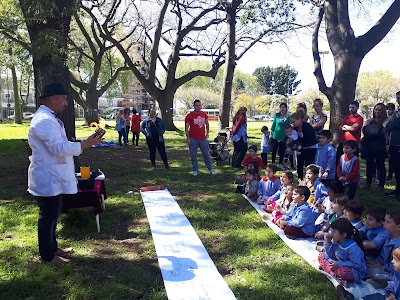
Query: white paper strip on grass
{"points": [[186, 267]]}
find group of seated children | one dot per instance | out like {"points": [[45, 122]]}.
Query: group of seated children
{"points": [[323, 208]]}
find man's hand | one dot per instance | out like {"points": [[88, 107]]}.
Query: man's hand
{"points": [[188, 140], [325, 175], [92, 140]]}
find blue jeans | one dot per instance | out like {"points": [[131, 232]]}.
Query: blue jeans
{"points": [[122, 134], [203, 144]]}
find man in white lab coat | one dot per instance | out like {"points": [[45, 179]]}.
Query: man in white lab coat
{"points": [[51, 172]]}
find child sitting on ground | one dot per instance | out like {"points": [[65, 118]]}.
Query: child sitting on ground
{"points": [[381, 270], [252, 150], [374, 234], [392, 290], [325, 158], [300, 223], [353, 212], [317, 189], [286, 179], [268, 185], [241, 179], [282, 209], [337, 206], [348, 168], [266, 144], [325, 207], [251, 186], [344, 254], [292, 143]]}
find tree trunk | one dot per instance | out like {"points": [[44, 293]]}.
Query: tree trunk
{"points": [[347, 67], [91, 108], [225, 104], [91, 116], [48, 36], [166, 108], [17, 101]]}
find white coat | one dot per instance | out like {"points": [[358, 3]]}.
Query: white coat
{"points": [[51, 171]]}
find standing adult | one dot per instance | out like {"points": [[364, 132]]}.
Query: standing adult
{"points": [[393, 128], [135, 128], [51, 171], [239, 137], [281, 119], [302, 110], [120, 126], [197, 130], [127, 117], [390, 109], [308, 143], [153, 128], [318, 120], [351, 128], [374, 146]]}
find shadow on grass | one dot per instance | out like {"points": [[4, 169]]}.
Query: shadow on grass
{"points": [[94, 276]]}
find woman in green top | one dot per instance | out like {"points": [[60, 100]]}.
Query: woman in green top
{"points": [[281, 119]]}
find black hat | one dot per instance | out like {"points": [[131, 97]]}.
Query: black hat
{"points": [[55, 88]]}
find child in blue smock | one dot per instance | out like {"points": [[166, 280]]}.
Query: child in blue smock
{"points": [[300, 223], [268, 185], [392, 290], [373, 233], [381, 270], [344, 256], [287, 178], [317, 189], [353, 212], [325, 158]]}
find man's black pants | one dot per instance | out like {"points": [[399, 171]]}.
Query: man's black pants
{"points": [[49, 211]]}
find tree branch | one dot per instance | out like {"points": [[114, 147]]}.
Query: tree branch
{"points": [[370, 39], [317, 59]]}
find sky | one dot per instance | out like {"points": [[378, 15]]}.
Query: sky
{"points": [[297, 54]]}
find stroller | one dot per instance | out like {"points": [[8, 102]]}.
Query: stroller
{"points": [[219, 148]]}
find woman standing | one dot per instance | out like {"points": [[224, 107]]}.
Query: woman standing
{"points": [[318, 120], [308, 143], [302, 110], [153, 128], [239, 137], [120, 127], [374, 145], [281, 119], [135, 123]]}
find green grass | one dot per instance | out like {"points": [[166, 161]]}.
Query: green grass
{"points": [[120, 262]]}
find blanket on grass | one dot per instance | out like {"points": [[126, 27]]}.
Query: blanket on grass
{"points": [[306, 249]]}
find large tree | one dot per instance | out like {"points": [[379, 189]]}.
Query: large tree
{"points": [[348, 52], [249, 23], [47, 23], [94, 65], [165, 32]]}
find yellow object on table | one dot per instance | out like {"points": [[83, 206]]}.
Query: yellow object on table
{"points": [[85, 172]]}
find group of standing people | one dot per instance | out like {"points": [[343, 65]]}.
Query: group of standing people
{"points": [[307, 130], [125, 121], [381, 138]]}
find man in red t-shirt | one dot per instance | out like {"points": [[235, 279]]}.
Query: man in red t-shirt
{"points": [[197, 129], [351, 128]]}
